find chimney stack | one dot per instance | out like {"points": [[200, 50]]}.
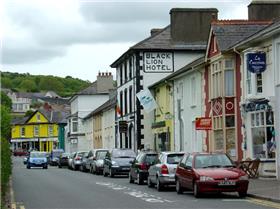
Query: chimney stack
{"points": [[189, 25], [264, 9], [104, 82]]}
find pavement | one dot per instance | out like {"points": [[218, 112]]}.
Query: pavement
{"points": [[267, 189]]}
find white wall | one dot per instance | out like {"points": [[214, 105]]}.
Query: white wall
{"points": [[108, 129], [191, 108]]}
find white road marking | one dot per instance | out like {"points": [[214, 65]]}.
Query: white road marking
{"points": [[135, 193]]}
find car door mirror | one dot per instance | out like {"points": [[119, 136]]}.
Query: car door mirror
{"points": [[187, 167]]}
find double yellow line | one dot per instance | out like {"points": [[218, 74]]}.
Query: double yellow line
{"points": [[266, 203]]}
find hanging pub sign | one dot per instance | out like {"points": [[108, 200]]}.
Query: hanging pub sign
{"points": [[203, 123], [122, 126], [256, 62]]}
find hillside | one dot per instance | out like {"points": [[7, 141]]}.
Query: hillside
{"points": [[40, 83]]}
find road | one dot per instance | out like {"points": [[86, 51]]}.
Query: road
{"points": [[62, 188]]}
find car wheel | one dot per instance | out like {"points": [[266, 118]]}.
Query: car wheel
{"points": [[179, 189], [196, 192], [242, 194], [59, 166], [159, 185], [28, 167], [150, 184], [139, 179], [111, 173], [131, 180]]}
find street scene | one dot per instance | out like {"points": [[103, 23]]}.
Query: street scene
{"points": [[131, 104], [64, 188]]}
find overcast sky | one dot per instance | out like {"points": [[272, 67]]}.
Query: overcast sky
{"points": [[80, 38]]}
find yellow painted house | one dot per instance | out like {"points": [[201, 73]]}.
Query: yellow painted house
{"points": [[39, 131], [163, 118]]}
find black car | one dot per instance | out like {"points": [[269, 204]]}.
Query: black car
{"points": [[140, 166], [118, 162], [63, 159]]}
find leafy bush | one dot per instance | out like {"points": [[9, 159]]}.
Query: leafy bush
{"points": [[6, 165]]}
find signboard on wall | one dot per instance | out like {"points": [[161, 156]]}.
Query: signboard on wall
{"points": [[158, 62], [203, 123], [122, 126], [256, 62]]}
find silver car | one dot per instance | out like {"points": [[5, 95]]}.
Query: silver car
{"points": [[163, 172], [95, 162]]}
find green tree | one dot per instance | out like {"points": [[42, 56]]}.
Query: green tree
{"points": [[28, 113], [5, 122], [5, 100], [51, 83], [28, 85], [6, 83]]}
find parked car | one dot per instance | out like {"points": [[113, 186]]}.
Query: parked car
{"points": [[118, 162], [20, 152], [63, 159], [54, 156], [84, 162], [37, 159], [210, 172], [163, 172], [76, 161], [139, 167], [95, 162], [70, 159]]}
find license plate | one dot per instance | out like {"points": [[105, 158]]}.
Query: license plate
{"points": [[125, 169], [226, 183]]}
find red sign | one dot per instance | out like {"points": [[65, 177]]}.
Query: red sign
{"points": [[203, 123]]}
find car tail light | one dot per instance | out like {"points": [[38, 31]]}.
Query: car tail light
{"points": [[143, 166], [164, 169], [78, 158]]}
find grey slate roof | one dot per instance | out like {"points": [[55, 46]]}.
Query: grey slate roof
{"points": [[52, 116], [92, 89], [230, 32], [161, 40], [59, 101], [184, 69], [270, 29]]}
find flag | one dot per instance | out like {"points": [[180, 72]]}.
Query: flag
{"points": [[147, 100], [118, 110]]}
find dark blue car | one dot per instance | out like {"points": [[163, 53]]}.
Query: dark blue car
{"points": [[37, 159]]}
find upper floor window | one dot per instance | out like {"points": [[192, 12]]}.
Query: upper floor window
{"points": [[125, 72], [259, 83], [216, 79], [50, 130], [193, 90], [121, 75], [229, 77], [121, 102], [125, 101], [130, 99], [254, 83], [130, 68], [20, 106], [22, 131], [74, 125], [36, 130]]}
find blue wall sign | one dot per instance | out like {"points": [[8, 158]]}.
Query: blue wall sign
{"points": [[256, 62]]}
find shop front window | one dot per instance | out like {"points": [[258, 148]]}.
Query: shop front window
{"points": [[263, 134], [219, 140]]}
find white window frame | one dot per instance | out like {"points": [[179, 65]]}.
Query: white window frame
{"points": [[229, 68], [36, 130], [260, 124], [193, 91], [22, 131], [74, 122], [216, 79], [50, 130]]}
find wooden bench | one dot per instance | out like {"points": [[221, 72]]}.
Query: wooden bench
{"points": [[251, 167]]}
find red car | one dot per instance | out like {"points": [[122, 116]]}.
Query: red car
{"points": [[210, 172], [20, 152]]}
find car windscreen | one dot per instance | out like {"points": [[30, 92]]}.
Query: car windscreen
{"points": [[123, 154], [174, 158], [101, 154], [81, 154], [37, 154], [150, 158], [212, 161]]}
